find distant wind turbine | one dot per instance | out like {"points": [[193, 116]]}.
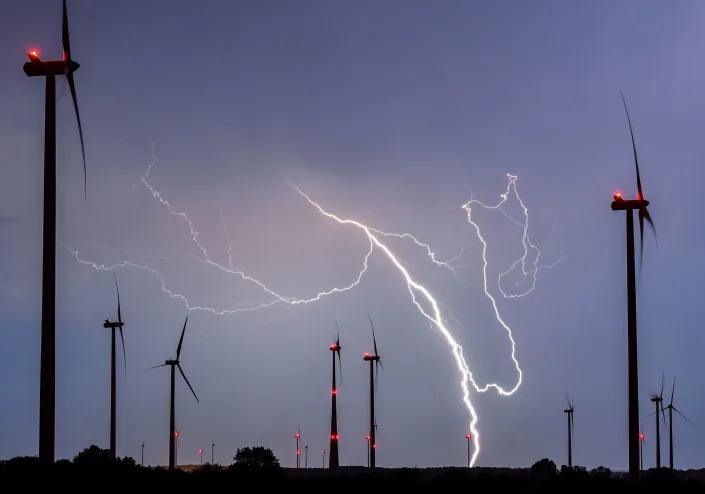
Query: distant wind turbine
{"points": [[113, 326], [569, 411], [333, 460], [629, 205], [671, 409], [298, 451], [172, 427], [47, 383], [374, 361], [658, 401]]}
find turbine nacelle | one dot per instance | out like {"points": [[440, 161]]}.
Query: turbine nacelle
{"points": [[366, 356], [36, 67], [115, 325], [171, 362], [335, 348]]}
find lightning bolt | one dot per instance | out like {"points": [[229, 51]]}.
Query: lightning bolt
{"points": [[418, 292]]}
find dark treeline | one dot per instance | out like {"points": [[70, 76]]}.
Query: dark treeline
{"points": [[258, 467]]}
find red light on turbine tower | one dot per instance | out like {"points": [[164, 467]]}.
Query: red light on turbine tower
{"points": [[366, 354], [200, 451], [297, 435], [468, 436], [618, 196], [641, 436]]}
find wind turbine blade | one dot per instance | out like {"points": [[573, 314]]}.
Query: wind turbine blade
{"points": [[636, 160], [181, 340], [185, 379], [66, 42], [337, 343], [162, 365], [374, 340], [376, 375], [663, 412], [641, 238], [679, 413], [65, 33], [663, 377], [673, 390], [124, 355], [340, 366], [117, 288], [72, 87], [567, 400]]}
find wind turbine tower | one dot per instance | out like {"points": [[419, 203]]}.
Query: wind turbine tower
{"points": [[569, 411], [174, 364], [629, 205], [47, 381], [374, 361], [333, 460], [113, 401]]}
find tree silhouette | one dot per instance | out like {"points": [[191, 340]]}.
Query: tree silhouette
{"points": [[92, 456], [95, 457], [544, 469], [256, 457]]}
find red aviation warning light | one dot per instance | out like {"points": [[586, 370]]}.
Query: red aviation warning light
{"points": [[33, 55], [200, 451], [468, 436], [618, 196], [642, 436]]}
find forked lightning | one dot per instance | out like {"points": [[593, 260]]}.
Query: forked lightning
{"points": [[420, 295]]}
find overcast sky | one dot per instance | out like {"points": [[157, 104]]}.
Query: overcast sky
{"points": [[394, 114]]}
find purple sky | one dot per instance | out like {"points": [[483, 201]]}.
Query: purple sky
{"points": [[394, 114]]}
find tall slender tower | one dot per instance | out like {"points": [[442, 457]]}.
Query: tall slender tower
{"points": [[333, 461]]}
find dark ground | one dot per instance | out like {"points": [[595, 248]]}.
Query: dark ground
{"points": [[542, 477]]}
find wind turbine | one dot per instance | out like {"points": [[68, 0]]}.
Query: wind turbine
{"points": [[298, 451], [333, 461], [374, 361], [172, 428], [629, 205], [670, 409], [49, 70], [113, 326], [642, 438], [569, 411], [658, 401]]}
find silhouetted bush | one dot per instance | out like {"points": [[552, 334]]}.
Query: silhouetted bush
{"points": [[601, 473], [544, 469], [255, 457]]}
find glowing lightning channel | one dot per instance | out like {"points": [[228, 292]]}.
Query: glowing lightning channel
{"points": [[434, 316], [526, 242]]}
